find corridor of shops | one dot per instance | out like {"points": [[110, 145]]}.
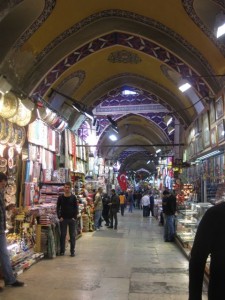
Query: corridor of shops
{"points": [[132, 263]]}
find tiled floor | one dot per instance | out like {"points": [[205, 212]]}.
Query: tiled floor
{"points": [[132, 263]]}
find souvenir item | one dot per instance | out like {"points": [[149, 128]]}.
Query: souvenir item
{"points": [[13, 138], [23, 116], [10, 199], [11, 180], [9, 105], [20, 133], [12, 171], [11, 163], [2, 127], [3, 169], [7, 134], [50, 118], [11, 189], [43, 113], [11, 152], [3, 162]]}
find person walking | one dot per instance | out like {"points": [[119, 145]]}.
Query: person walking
{"points": [[114, 208], [105, 210], [209, 241], [169, 210], [130, 200], [6, 267], [145, 202], [122, 198], [98, 208], [152, 204], [67, 211]]}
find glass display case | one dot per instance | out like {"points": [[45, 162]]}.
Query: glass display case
{"points": [[187, 222]]}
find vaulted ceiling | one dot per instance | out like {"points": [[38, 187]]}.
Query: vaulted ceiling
{"points": [[92, 51]]}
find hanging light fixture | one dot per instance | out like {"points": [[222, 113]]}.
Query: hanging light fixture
{"points": [[167, 119], [170, 129], [113, 137], [220, 25], [88, 114], [184, 85]]}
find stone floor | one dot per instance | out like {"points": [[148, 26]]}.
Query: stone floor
{"points": [[132, 263]]}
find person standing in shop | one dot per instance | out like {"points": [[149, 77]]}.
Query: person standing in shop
{"points": [[209, 241], [98, 208], [6, 267], [114, 208], [169, 210], [122, 198], [67, 211]]}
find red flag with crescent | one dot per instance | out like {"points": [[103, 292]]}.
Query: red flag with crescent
{"points": [[122, 180]]}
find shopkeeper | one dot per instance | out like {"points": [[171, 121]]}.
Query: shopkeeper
{"points": [[6, 267]]}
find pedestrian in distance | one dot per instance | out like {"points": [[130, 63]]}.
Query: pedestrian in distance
{"points": [[122, 198], [98, 208], [169, 210], [114, 208], [145, 202]]}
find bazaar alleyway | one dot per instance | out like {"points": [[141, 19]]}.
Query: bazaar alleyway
{"points": [[132, 263]]}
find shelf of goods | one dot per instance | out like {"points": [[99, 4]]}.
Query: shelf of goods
{"points": [[21, 253], [187, 222], [49, 192], [48, 227], [87, 219]]}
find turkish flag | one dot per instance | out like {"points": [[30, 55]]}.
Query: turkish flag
{"points": [[122, 181]]}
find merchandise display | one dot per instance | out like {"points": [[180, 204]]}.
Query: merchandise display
{"points": [[31, 197], [186, 226]]}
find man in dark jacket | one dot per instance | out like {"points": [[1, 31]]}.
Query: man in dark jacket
{"points": [[169, 210], [114, 208], [6, 266], [105, 211], [209, 240], [67, 211]]}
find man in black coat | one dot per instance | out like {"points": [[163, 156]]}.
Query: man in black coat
{"points": [[114, 208], [105, 211], [67, 211], [209, 240], [169, 210]]}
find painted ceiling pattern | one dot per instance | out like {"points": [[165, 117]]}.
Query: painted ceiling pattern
{"points": [[127, 40], [124, 56], [137, 44], [49, 6], [116, 97], [125, 15]]}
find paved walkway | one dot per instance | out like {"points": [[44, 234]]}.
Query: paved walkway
{"points": [[132, 263]]}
